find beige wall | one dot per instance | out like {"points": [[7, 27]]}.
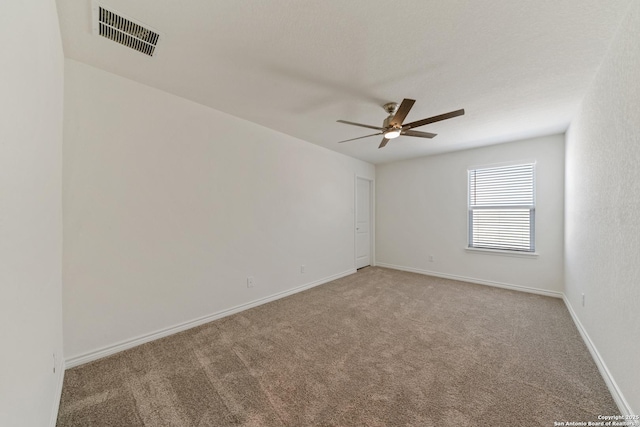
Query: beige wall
{"points": [[31, 91], [422, 211], [602, 204], [169, 206]]}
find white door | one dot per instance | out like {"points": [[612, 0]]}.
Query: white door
{"points": [[363, 223]]}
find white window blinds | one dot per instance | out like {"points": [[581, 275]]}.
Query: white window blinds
{"points": [[502, 208]]}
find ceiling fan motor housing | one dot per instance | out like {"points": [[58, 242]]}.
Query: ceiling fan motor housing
{"points": [[392, 109]]}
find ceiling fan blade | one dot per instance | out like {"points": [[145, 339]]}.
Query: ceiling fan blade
{"points": [[360, 137], [359, 124], [433, 119], [383, 143], [402, 112], [418, 134]]}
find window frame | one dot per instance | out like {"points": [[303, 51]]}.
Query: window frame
{"points": [[532, 212]]}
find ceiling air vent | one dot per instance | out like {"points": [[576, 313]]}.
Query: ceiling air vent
{"points": [[124, 31]]}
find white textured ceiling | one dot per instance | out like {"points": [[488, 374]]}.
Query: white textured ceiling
{"points": [[518, 67]]}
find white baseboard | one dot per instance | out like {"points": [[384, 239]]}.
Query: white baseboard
{"points": [[134, 342], [474, 280], [615, 391], [57, 396]]}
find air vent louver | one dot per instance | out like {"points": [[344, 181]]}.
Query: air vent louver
{"points": [[126, 32]]}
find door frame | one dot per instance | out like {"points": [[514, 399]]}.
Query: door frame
{"points": [[372, 219]]}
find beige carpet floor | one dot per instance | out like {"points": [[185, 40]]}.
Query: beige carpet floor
{"points": [[377, 348]]}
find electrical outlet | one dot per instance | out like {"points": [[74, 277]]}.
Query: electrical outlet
{"points": [[250, 282], [302, 268], [431, 258], [583, 299]]}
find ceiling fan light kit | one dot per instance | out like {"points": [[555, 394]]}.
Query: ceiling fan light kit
{"points": [[393, 126], [393, 133]]}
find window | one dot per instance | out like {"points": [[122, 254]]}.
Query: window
{"points": [[502, 208]]}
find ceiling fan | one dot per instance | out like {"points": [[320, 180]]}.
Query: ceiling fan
{"points": [[393, 127]]}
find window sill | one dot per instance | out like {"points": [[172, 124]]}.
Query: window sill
{"points": [[503, 253]]}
